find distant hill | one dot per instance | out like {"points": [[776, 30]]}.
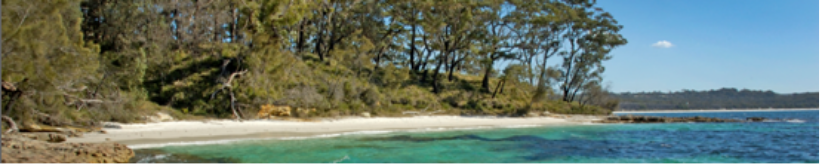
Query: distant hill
{"points": [[729, 98]]}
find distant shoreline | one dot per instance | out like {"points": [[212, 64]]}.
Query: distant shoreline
{"points": [[712, 110]]}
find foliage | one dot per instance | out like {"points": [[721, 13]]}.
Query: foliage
{"points": [[226, 58]]}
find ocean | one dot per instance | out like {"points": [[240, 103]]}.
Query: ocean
{"points": [[791, 138]]}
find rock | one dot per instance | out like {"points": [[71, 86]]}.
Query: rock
{"points": [[111, 125], [533, 114], [160, 117], [18, 148], [755, 119], [366, 114], [164, 117], [546, 113], [653, 119]]}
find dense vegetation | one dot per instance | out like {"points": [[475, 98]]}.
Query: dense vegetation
{"points": [[113, 60], [725, 98]]}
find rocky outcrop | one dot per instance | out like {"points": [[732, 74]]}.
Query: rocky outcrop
{"points": [[273, 111], [21, 148], [655, 119], [48, 137], [67, 130]]}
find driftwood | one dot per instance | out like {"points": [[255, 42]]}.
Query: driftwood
{"points": [[9, 87]]}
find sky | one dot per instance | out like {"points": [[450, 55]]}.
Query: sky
{"points": [[707, 44]]}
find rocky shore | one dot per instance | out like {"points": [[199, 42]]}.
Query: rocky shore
{"points": [[48, 148]]}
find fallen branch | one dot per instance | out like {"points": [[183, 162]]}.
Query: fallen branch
{"points": [[227, 86], [79, 102], [12, 125]]}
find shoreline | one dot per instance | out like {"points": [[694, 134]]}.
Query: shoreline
{"points": [[712, 110], [150, 135]]}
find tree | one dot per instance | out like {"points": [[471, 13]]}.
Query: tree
{"points": [[592, 34], [449, 30], [52, 74], [495, 37]]}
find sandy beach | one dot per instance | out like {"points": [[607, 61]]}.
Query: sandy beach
{"points": [[711, 110], [215, 131]]}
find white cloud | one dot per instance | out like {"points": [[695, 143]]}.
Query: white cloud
{"points": [[662, 44]]}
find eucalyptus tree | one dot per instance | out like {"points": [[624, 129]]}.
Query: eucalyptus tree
{"points": [[407, 14], [448, 25], [592, 34], [538, 29], [495, 37]]}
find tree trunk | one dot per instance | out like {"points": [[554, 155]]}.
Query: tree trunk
{"points": [[567, 84], [300, 43], [233, 105], [178, 23], [234, 22], [317, 47], [485, 82], [320, 37], [436, 88], [413, 65], [378, 58], [499, 87], [454, 62]]}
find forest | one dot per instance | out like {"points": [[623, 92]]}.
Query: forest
{"points": [[724, 98], [78, 62]]}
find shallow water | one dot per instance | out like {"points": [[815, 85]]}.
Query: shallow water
{"points": [[793, 140]]}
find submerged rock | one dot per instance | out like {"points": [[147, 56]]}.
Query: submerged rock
{"points": [[20, 148]]}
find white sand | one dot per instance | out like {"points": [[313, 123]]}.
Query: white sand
{"points": [[711, 110], [193, 132]]}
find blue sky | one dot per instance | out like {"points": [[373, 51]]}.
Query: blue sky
{"points": [[752, 44]]}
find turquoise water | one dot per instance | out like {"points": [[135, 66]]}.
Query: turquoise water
{"points": [[794, 139]]}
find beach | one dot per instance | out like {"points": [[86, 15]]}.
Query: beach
{"points": [[159, 134]]}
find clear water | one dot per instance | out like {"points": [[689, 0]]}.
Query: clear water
{"points": [[792, 140]]}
